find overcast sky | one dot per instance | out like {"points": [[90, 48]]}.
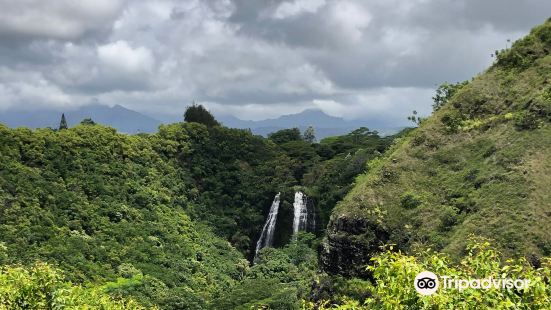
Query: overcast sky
{"points": [[251, 58]]}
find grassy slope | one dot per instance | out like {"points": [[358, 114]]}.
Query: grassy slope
{"points": [[478, 175]]}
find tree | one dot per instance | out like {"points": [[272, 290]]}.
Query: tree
{"points": [[360, 133], [445, 91], [309, 134], [63, 122], [87, 121], [198, 114], [414, 118], [285, 135]]}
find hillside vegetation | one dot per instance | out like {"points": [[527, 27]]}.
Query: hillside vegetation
{"points": [[481, 164], [42, 287], [169, 219], [101, 206], [393, 273]]}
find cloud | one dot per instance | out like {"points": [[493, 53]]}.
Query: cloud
{"points": [[62, 19], [252, 59], [27, 90], [297, 7], [120, 56]]}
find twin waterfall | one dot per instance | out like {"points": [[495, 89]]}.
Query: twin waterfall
{"points": [[300, 219], [304, 214], [304, 220], [267, 237]]}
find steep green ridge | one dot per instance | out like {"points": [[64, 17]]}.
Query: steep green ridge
{"points": [[479, 165]]}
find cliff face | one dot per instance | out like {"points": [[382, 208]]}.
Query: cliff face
{"points": [[479, 166], [349, 243]]}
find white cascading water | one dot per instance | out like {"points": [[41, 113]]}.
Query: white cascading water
{"points": [[300, 220], [267, 235]]}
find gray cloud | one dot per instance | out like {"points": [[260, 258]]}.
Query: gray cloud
{"points": [[253, 59], [62, 19]]}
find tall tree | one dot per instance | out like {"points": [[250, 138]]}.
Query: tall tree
{"points": [[63, 122], [309, 134], [198, 114]]}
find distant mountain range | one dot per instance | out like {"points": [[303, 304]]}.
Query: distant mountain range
{"points": [[129, 121], [119, 117], [325, 125]]}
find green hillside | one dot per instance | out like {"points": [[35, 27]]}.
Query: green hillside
{"points": [[480, 165], [101, 206], [169, 219]]}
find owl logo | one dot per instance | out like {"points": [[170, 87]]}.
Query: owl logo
{"points": [[426, 283]]}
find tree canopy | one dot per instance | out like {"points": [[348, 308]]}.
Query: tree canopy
{"points": [[197, 113]]}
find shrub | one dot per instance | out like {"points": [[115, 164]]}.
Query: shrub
{"points": [[449, 218], [418, 139], [452, 121], [525, 120], [42, 287], [410, 200]]}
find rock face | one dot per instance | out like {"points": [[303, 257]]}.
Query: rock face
{"points": [[350, 243]]}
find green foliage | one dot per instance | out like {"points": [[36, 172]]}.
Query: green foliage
{"points": [[87, 121], [527, 50], [198, 114], [3, 253], [526, 120], [410, 200], [101, 205], [341, 160], [278, 279], [444, 92], [449, 217], [285, 135], [42, 287], [452, 121], [394, 274]]}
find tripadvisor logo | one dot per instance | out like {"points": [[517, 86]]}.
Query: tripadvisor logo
{"points": [[427, 283]]}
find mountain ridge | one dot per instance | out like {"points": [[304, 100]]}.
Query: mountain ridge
{"points": [[325, 125], [129, 121], [123, 119]]}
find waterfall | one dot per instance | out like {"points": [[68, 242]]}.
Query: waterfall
{"points": [[300, 220], [267, 235], [304, 214]]}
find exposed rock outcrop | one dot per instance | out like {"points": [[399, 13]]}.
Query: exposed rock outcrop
{"points": [[350, 243]]}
